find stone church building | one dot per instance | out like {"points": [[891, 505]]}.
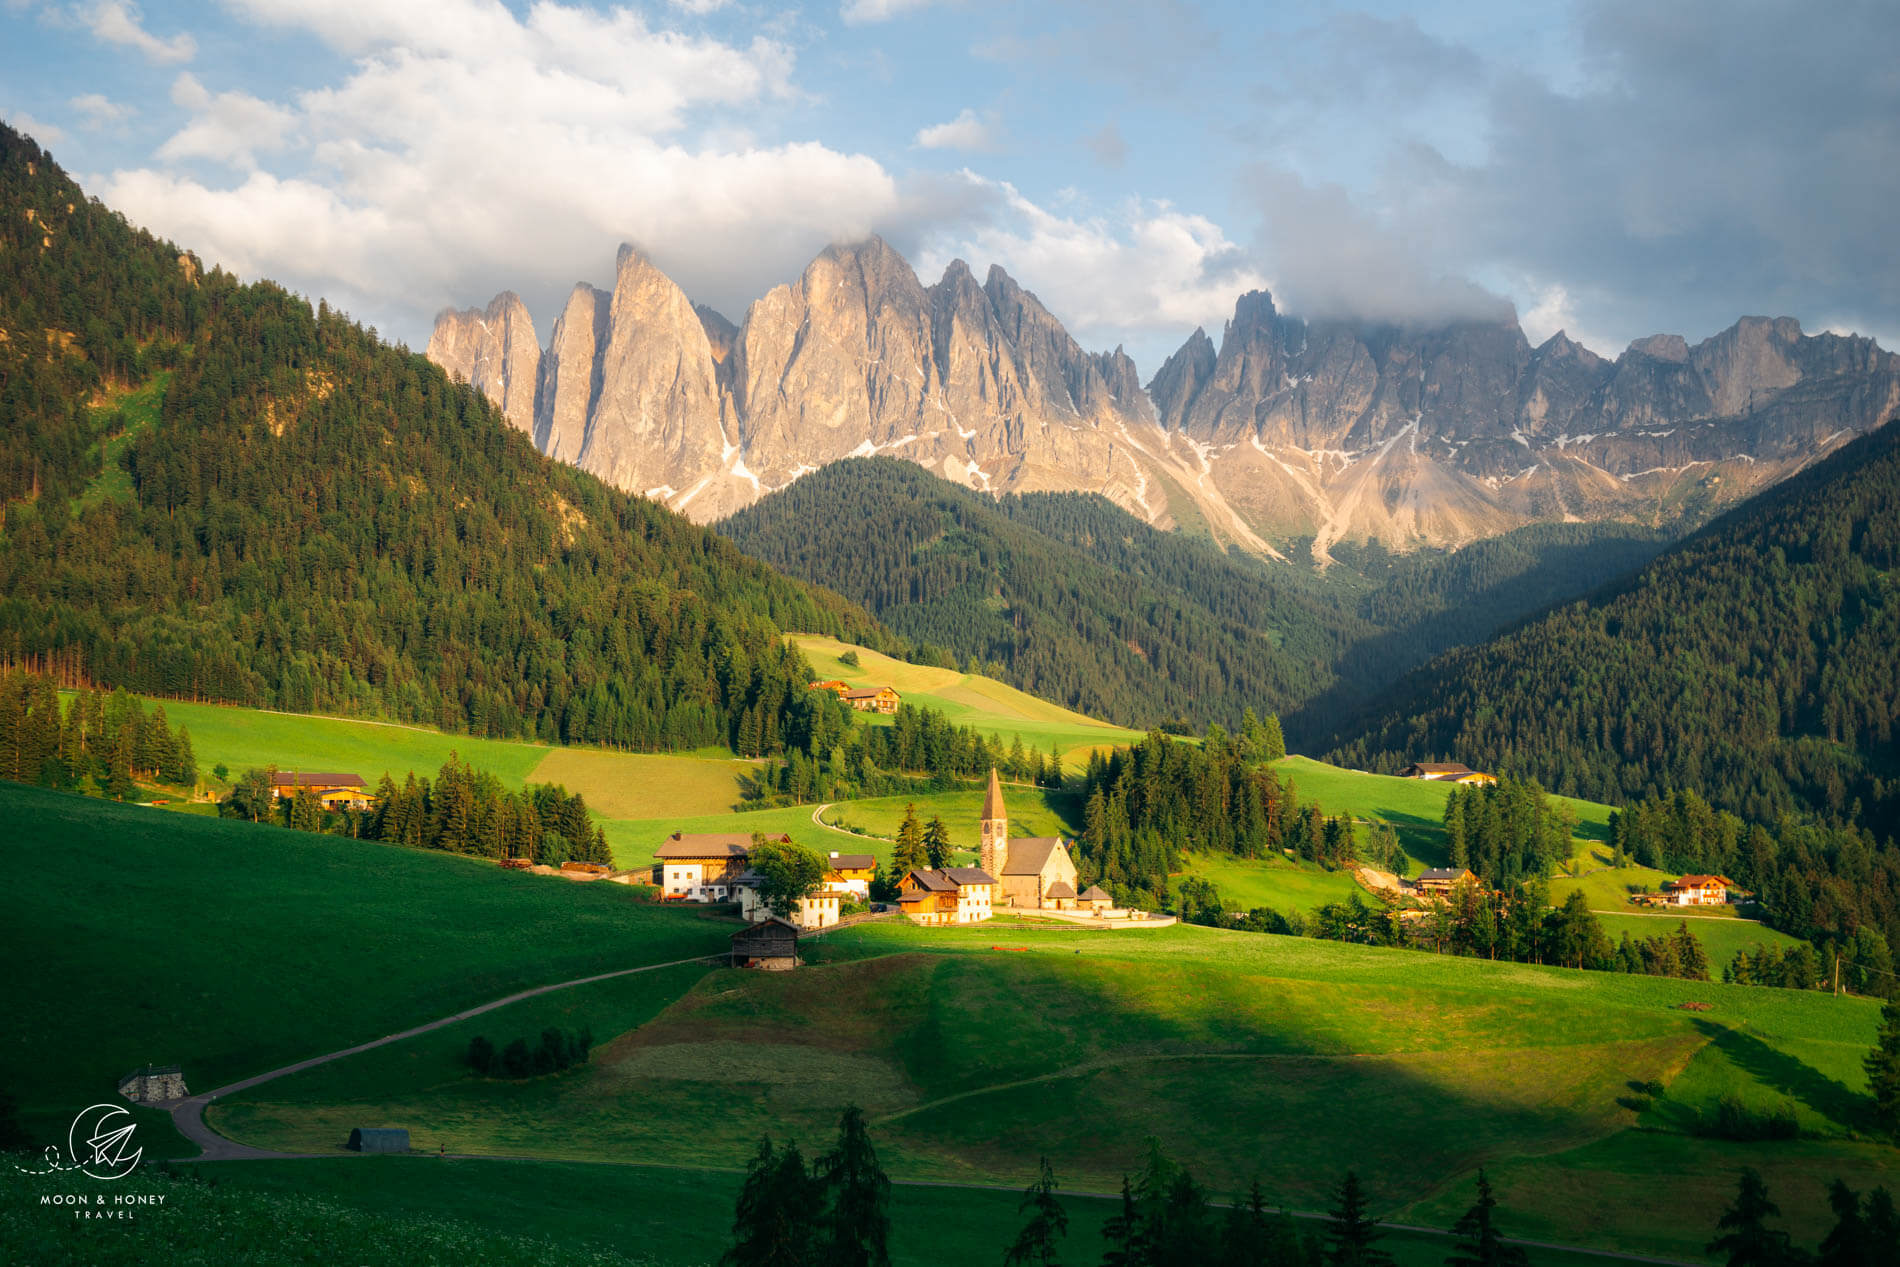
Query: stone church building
{"points": [[1034, 873]]}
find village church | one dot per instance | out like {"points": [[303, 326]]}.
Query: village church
{"points": [[1032, 872]]}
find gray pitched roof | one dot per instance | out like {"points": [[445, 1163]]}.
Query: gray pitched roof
{"points": [[300, 778], [851, 861], [1443, 873], [969, 875], [1094, 894], [932, 881], [1061, 888], [723, 844], [1028, 855]]}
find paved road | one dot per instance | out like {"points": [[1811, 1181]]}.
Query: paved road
{"points": [[189, 1115], [818, 821]]}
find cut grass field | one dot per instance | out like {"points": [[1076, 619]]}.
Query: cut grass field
{"points": [[235, 948], [1032, 812], [975, 1050], [1279, 883], [988, 706]]}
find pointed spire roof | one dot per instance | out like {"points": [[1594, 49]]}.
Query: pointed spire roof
{"points": [[993, 799]]}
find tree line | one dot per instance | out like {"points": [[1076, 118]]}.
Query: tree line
{"points": [[99, 742], [462, 810]]}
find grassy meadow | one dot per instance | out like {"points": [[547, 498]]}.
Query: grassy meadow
{"points": [[234, 948], [968, 699]]}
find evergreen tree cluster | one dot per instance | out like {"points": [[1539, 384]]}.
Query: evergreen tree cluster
{"points": [[834, 1212], [1143, 805], [462, 810], [558, 1049], [854, 762], [98, 741], [1508, 832], [1836, 887], [1866, 1230], [1757, 662], [318, 522]]}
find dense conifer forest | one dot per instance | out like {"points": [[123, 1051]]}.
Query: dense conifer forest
{"points": [[1070, 597], [1758, 663], [302, 517]]}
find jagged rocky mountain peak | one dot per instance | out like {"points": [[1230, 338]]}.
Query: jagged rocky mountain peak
{"points": [[1425, 433]]}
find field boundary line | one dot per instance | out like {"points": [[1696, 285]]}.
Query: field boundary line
{"points": [[188, 1114]]}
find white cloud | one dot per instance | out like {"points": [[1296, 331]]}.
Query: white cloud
{"points": [[118, 22], [965, 132], [1144, 273], [99, 111], [699, 7], [231, 127], [856, 12], [466, 150], [44, 133]]}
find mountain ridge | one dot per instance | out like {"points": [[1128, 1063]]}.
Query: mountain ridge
{"points": [[1286, 431]]}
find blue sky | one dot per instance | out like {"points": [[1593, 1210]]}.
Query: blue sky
{"points": [[1610, 167]]}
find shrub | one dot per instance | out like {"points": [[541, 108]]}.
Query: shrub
{"points": [[1736, 1119], [558, 1049]]}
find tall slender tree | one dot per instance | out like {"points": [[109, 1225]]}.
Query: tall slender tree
{"points": [[1479, 1244], [909, 854], [776, 1220], [1745, 1238], [1352, 1240], [1048, 1223], [857, 1229], [937, 842], [1883, 1070]]}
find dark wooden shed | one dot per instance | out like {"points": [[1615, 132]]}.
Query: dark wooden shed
{"points": [[379, 1139], [771, 944]]}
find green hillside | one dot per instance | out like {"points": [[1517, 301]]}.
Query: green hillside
{"points": [[1757, 664], [272, 507]]}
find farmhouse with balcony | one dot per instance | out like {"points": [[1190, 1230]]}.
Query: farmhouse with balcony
{"points": [[953, 895], [871, 699], [1448, 772], [1440, 881], [1698, 890], [702, 868], [336, 791], [850, 874]]}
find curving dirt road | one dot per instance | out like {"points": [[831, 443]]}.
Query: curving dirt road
{"points": [[189, 1115]]}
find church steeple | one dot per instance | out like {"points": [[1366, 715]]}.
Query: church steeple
{"points": [[993, 852]]}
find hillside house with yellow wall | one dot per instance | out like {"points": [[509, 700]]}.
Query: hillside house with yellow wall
{"points": [[336, 791], [953, 895]]}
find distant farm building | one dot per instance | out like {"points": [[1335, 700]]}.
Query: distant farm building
{"points": [[871, 699], [1442, 880], [379, 1139], [771, 944], [850, 873], [154, 1084], [586, 870], [833, 685], [811, 912], [1448, 772], [953, 895], [1698, 890], [702, 868], [336, 791]]}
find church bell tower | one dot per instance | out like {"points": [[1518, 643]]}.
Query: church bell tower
{"points": [[993, 852]]}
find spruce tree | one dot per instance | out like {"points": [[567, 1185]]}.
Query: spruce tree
{"points": [[909, 854], [937, 843], [776, 1220], [1883, 1070], [1352, 1239], [1123, 1232], [1847, 1244], [857, 1229], [1048, 1223], [1745, 1238], [1479, 1244]]}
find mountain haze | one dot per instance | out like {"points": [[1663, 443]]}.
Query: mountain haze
{"points": [[1333, 431]]}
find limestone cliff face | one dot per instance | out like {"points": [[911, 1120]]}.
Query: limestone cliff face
{"points": [[1332, 430], [495, 352]]}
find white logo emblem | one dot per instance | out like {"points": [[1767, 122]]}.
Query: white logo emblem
{"points": [[99, 1144]]}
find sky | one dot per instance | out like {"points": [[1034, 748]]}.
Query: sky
{"points": [[1613, 168]]}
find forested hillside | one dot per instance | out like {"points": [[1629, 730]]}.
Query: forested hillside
{"points": [[1069, 596], [212, 491], [1757, 663]]}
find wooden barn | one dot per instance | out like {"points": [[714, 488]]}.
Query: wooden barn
{"points": [[770, 945]]}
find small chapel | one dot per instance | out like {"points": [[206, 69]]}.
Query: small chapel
{"points": [[1032, 872]]}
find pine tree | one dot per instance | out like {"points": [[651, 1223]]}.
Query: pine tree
{"points": [[1123, 1232], [776, 1220], [1352, 1239], [1745, 1237], [1883, 1070], [1480, 1244], [909, 855], [937, 843], [184, 771], [1048, 1223], [857, 1228], [1847, 1244]]}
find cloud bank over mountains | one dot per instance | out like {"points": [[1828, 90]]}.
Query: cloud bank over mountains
{"points": [[1617, 170]]}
